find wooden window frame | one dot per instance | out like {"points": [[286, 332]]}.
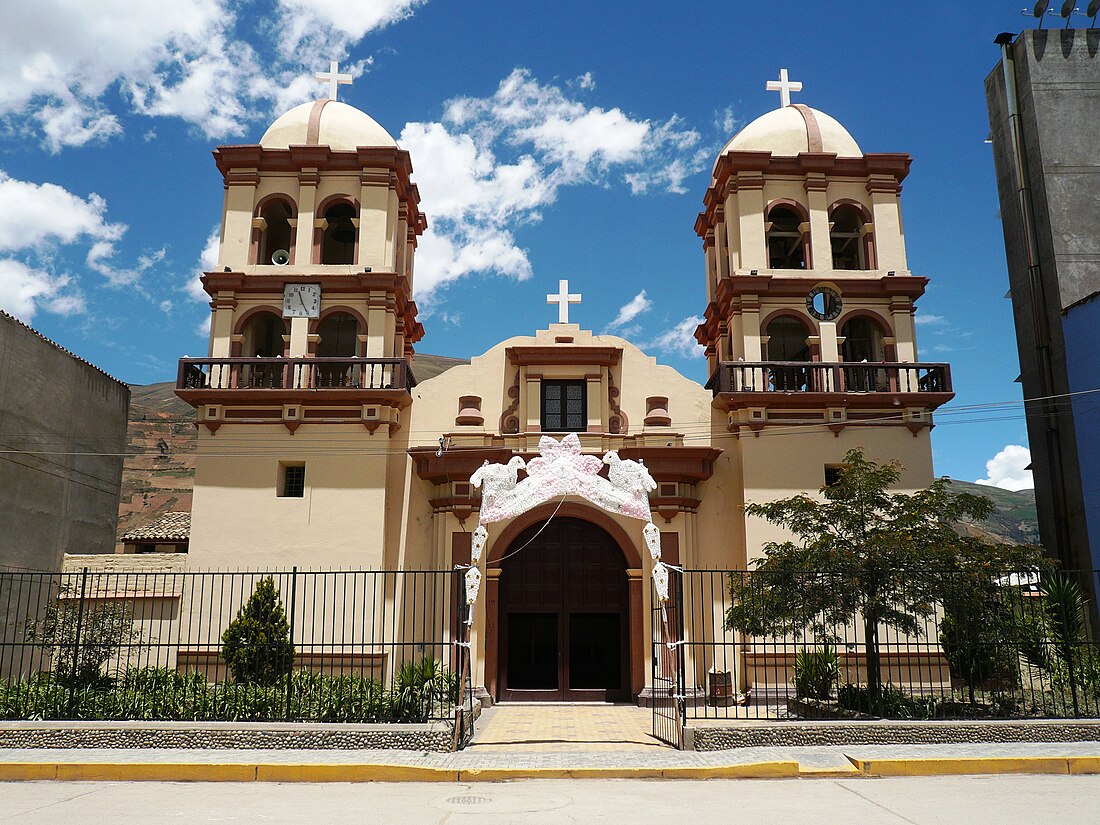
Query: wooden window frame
{"points": [[564, 383]]}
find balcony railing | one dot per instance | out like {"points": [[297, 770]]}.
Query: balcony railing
{"points": [[816, 377], [294, 374]]}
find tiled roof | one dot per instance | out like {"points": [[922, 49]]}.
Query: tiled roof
{"points": [[58, 346], [169, 527]]}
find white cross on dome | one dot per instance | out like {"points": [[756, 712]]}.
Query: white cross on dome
{"points": [[784, 86], [333, 78]]}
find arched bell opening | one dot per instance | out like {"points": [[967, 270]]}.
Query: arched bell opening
{"points": [[788, 343]]}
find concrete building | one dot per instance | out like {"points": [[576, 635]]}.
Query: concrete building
{"points": [[1044, 107], [317, 445], [62, 495]]}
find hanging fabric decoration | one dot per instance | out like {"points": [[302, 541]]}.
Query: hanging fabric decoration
{"points": [[660, 581], [477, 543], [473, 585], [652, 540]]}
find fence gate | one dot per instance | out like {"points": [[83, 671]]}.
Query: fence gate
{"points": [[464, 703], [667, 676]]}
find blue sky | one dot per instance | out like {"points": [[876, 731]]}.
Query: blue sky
{"points": [[550, 140]]}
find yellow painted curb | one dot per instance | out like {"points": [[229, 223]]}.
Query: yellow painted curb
{"points": [[205, 772], [153, 772], [964, 766], [353, 773], [1084, 764], [834, 772]]}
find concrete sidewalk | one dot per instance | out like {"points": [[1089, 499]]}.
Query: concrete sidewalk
{"points": [[467, 766]]}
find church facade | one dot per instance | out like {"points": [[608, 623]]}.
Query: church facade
{"points": [[319, 448]]}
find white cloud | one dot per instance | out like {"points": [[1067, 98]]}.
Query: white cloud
{"points": [[629, 311], [24, 290], [1007, 469], [36, 214], [586, 81], [493, 163], [680, 340], [930, 320], [64, 65], [323, 23], [208, 259]]}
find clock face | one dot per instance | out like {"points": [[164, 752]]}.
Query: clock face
{"points": [[824, 303], [301, 300]]}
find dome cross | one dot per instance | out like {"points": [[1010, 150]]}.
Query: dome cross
{"points": [[784, 86], [333, 78]]}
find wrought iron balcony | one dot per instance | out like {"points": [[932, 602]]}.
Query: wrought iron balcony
{"points": [[776, 377], [294, 374]]}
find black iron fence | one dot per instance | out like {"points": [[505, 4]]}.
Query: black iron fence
{"points": [[830, 645], [348, 646]]}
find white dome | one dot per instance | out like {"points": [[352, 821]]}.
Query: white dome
{"points": [[794, 129], [326, 123]]}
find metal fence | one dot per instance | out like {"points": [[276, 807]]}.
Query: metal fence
{"points": [[347, 646], [993, 644]]}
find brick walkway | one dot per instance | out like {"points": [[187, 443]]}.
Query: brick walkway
{"points": [[541, 727]]}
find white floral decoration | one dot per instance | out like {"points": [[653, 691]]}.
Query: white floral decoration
{"points": [[660, 581], [477, 543], [652, 540], [473, 584]]}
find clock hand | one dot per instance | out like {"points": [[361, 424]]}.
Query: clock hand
{"points": [[302, 301]]}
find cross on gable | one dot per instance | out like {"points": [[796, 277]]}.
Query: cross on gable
{"points": [[784, 86], [333, 78], [563, 299]]}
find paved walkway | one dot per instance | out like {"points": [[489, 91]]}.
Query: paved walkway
{"points": [[542, 727]]}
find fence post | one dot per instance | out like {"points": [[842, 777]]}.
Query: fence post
{"points": [[76, 641], [293, 599]]}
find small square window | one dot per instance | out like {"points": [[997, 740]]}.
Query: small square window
{"points": [[292, 480], [832, 474], [564, 406]]}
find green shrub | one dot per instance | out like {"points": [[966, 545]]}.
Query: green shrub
{"points": [[82, 640], [892, 703], [256, 646], [816, 672]]}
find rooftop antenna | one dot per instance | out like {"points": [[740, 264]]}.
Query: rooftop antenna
{"points": [[1039, 12]]}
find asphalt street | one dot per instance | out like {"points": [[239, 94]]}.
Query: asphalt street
{"points": [[972, 800]]}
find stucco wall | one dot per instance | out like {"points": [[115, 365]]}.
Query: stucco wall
{"points": [[52, 402]]}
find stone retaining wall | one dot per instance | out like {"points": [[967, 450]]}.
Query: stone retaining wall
{"points": [[226, 735], [785, 735]]}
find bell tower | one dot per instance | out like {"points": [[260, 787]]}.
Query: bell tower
{"points": [[313, 325], [809, 328]]}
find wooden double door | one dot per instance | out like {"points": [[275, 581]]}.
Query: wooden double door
{"points": [[564, 609]]}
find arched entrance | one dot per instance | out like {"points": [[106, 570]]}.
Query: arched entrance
{"points": [[564, 615]]}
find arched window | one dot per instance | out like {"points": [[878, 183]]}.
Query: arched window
{"points": [[786, 242], [276, 236], [263, 338], [787, 342], [338, 241], [863, 343], [339, 334], [846, 236]]}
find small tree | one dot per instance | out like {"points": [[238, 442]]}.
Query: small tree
{"points": [[256, 646], [862, 551], [985, 622], [80, 641]]}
